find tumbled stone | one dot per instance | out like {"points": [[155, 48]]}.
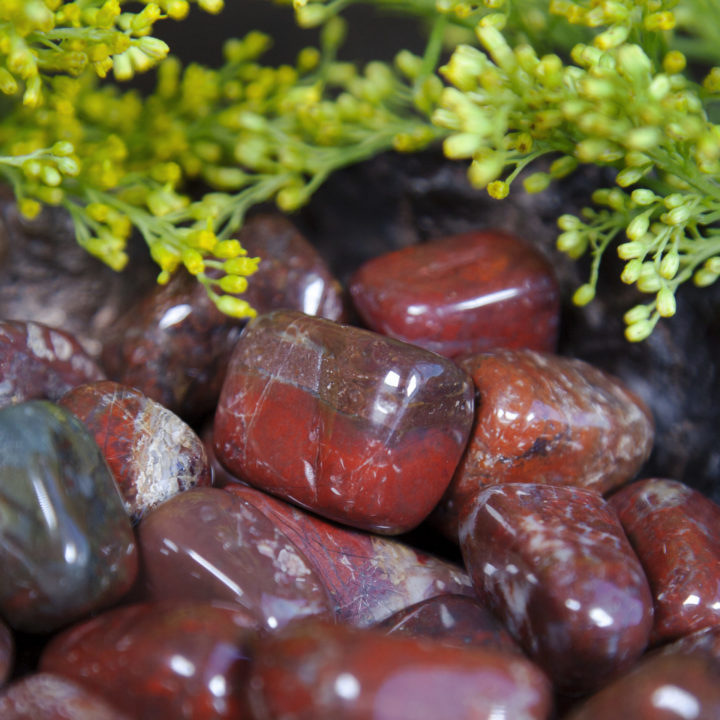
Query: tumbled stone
{"points": [[6, 652], [165, 661], [542, 418], [150, 451], [555, 567], [462, 294], [312, 671], [368, 577], [174, 344], [675, 532], [44, 696], [206, 544], [372, 428], [66, 544], [37, 361]]}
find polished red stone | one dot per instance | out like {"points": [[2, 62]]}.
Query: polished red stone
{"points": [[37, 361], [160, 661], [7, 648], [676, 534], [357, 427], [556, 568], [45, 696], [206, 544], [368, 577], [319, 672], [462, 294], [150, 451], [542, 418]]}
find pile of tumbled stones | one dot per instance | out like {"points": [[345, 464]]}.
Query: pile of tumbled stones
{"points": [[220, 530]]}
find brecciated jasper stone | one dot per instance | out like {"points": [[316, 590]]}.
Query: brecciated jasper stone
{"points": [[368, 577], [462, 294], [357, 427], [206, 544], [542, 418], [312, 671], [37, 361], [165, 661], [151, 452], [6, 652], [676, 534], [556, 568], [66, 544]]}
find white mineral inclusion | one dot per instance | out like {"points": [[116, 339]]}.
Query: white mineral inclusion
{"points": [[36, 343], [676, 700]]}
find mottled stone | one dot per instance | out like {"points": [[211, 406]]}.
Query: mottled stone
{"points": [[555, 567], [44, 696], [6, 652], [37, 361], [165, 661], [368, 577], [462, 294], [372, 428], [542, 418], [150, 451], [206, 544], [330, 672], [66, 544], [676, 534]]}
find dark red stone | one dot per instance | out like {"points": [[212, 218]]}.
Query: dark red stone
{"points": [[556, 568], [164, 661], [357, 427], [150, 451], [206, 544], [7, 648], [542, 418], [320, 672], [676, 534], [37, 361], [368, 577], [462, 294]]}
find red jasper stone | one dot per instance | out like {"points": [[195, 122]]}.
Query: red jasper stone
{"points": [[542, 418], [206, 544], [676, 534], [7, 648], [368, 577], [372, 428], [462, 294], [160, 661], [150, 451], [556, 568], [45, 696], [319, 672], [37, 361]]}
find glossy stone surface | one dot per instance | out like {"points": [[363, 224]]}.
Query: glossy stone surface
{"points": [[37, 361], [167, 661], [331, 672], [66, 544], [372, 428], [44, 696], [462, 294], [150, 451], [206, 544], [542, 418], [555, 567], [369, 577], [676, 534], [6, 652]]}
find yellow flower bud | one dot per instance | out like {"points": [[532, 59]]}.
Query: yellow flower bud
{"points": [[8, 84], [537, 182], [29, 208], [638, 226], [704, 277], [638, 331], [636, 314], [241, 265], [234, 284], [669, 265], [226, 249], [630, 250], [665, 302], [631, 271], [193, 261], [234, 306], [498, 189], [211, 6], [583, 295]]}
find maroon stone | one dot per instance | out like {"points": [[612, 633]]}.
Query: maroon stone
{"points": [[160, 661], [554, 565], [676, 533], [150, 451], [37, 361], [462, 294], [542, 418], [6, 652], [45, 696], [357, 427], [368, 577], [313, 671], [206, 544]]}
